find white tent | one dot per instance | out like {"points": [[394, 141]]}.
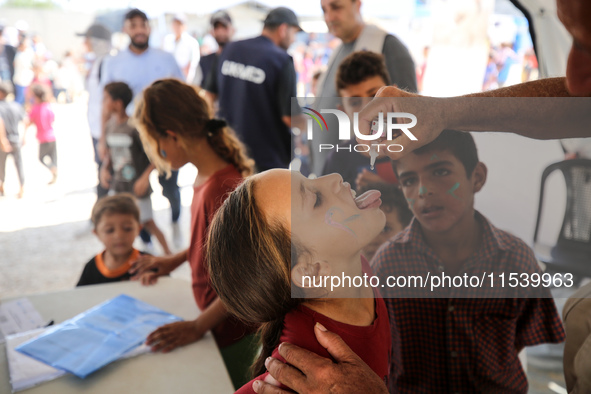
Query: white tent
{"points": [[552, 40]]}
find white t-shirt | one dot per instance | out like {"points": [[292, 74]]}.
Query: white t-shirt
{"points": [[185, 51], [23, 67]]}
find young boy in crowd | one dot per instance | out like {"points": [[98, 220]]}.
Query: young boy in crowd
{"points": [[359, 77], [463, 343], [42, 116], [11, 114], [126, 167], [398, 216], [116, 221]]}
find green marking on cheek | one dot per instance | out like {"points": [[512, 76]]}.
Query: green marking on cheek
{"points": [[328, 219], [350, 218], [453, 189], [411, 202]]}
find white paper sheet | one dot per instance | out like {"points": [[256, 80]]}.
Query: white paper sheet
{"points": [[18, 316], [26, 372]]}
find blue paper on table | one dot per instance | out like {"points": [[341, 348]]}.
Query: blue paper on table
{"points": [[100, 335]]}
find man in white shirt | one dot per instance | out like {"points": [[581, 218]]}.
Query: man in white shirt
{"points": [[184, 47]]}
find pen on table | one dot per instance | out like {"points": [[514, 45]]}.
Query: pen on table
{"points": [[49, 323]]}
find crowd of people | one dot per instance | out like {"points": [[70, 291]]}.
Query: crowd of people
{"points": [[259, 230]]}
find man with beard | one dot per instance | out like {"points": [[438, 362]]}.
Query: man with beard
{"points": [[222, 31], [138, 66]]}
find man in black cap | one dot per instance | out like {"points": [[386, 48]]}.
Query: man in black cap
{"points": [[255, 81], [222, 31]]}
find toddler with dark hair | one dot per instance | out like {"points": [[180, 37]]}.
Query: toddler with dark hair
{"points": [[116, 224]]}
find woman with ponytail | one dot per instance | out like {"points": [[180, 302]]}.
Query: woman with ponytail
{"points": [[176, 128], [270, 247]]}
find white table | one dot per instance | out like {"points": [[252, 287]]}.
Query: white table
{"points": [[196, 368]]}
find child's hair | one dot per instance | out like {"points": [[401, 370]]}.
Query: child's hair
{"points": [[119, 91], [169, 104], [5, 88], [392, 199], [359, 66], [458, 143], [316, 75], [40, 92], [250, 259], [123, 203]]}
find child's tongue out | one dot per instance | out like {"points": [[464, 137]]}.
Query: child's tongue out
{"points": [[369, 199]]}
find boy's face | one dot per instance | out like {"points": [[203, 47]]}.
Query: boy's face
{"points": [[438, 191], [108, 103], [117, 232], [355, 97]]}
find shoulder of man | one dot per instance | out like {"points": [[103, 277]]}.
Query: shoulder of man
{"points": [[10, 50], [392, 44]]}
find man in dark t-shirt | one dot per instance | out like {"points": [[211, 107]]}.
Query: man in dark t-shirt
{"points": [[255, 81], [222, 31]]}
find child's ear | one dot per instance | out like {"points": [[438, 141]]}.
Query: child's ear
{"points": [[172, 134], [479, 176], [308, 271]]}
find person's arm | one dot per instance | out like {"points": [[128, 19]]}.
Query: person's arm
{"points": [[4, 143], [194, 63], [106, 70], [141, 185], [148, 268], [105, 171], [539, 109], [171, 336], [307, 372], [291, 114], [399, 64], [211, 81], [27, 122], [176, 71]]}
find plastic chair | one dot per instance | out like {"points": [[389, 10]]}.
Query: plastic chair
{"points": [[572, 252]]}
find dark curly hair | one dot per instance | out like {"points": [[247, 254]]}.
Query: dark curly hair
{"points": [[359, 66]]}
